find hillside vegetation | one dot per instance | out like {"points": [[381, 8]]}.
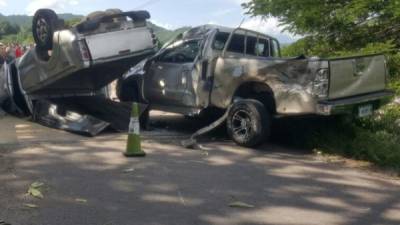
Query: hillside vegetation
{"points": [[18, 28]]}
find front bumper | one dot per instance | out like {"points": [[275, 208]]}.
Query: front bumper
{"points": [[350, 105]]}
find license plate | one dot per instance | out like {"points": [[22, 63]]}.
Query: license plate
{"points": [[365, 110]]}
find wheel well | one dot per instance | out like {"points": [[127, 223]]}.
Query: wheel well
{"points": [[259, 91], [129, 90]]}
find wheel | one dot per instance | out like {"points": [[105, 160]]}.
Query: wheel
{"points": [[249, 123], [45, 22]]}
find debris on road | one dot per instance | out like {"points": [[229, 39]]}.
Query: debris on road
{"points": [[31, 206], [192, 142], [81, 200], [36, 189], [130, 170], [239, 204]]}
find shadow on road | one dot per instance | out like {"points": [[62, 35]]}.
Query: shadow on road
{"points": [[173, 185]]}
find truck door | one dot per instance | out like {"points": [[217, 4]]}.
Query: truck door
{"points": [[167, 79]]}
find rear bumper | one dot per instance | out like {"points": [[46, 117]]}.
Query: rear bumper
{"points": [[350, 105]]}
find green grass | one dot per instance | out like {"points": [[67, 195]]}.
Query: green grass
{"points": [[375, 139]]}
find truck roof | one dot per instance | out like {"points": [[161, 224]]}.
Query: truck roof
{"points": [[199, 31]]}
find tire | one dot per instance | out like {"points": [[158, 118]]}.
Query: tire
{"points": [[249, 123], [45, 22]]}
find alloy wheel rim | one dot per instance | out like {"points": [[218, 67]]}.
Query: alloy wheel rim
{"points": [[241, 124], [42, 30]]}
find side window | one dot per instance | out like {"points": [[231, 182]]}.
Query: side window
{"points": [[184, 53], [237, 44], [275, 49], [258, 47], [251, 45], [220, 41], [263, 47]]}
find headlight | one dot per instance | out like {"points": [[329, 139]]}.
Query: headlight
{"points": [[321, 83]]}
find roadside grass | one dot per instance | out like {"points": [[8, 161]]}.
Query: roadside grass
{"points": [[375, 139]]}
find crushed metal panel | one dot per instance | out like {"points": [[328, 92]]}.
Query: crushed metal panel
{"points": [[81, 63], [59, 117], [290, 80], [117, 114]]}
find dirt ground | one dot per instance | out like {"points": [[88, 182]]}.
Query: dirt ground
{"points": [[88, 181]]}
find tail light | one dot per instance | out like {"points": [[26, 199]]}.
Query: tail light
{"points": [[321, 83], [85, 53]]}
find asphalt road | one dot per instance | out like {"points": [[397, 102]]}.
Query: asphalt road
{"points": [[89, 182]]}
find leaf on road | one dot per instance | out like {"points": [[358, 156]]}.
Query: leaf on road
{"points": [[35, 193], [205, 153], [32, 206], [240, 205], [35, 189], [37, 184], [130, 170], [81, 200]]}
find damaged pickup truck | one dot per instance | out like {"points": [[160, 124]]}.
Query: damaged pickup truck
{"points": [[65, 73], [212, 68]]}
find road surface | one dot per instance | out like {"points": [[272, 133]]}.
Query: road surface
{"points": [[89, 182]]}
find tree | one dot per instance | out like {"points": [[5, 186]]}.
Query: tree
{"points": [[341, 23], [337, 27], [6, 28]]}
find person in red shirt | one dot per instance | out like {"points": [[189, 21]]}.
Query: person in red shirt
{"points": [[18, 51]]}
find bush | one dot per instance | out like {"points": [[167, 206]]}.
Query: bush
{"points": [[375, 139]]}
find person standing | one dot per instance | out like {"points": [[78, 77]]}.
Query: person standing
{"points": [[5, 54], [2, 53], [18, 51]]}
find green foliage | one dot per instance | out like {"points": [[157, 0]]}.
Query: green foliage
{"points": [[342, 24], [395, 85], [165, 35], [375, 139], [6, 28], [72, 22]]}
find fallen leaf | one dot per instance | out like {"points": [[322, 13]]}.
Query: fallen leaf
{"points": [[81, 200], [32, 206], [35, 189], [130, 170], [35, 193], [205, 153], [37, 184], [240, 205]]}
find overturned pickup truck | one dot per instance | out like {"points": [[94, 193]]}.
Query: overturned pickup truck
{"points": [[76, 62], [211, 68]]}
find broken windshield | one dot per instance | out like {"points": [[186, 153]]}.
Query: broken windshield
{"points": [[181, 52]]}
